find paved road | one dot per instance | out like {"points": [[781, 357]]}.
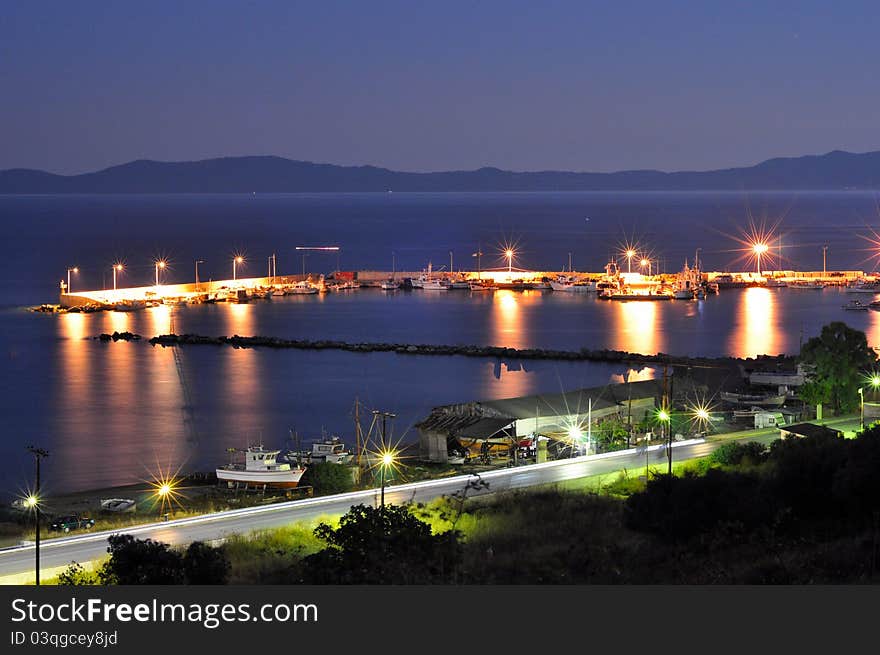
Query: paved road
{"points": [[61, 551]]}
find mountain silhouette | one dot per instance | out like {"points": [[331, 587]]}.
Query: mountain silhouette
{"points": [[268, 174]]}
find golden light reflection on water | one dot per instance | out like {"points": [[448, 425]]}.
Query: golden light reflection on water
{"points": [[240, 319], [756, 331], [159, 318], [635, 327], [508, 329], [241, 375]]}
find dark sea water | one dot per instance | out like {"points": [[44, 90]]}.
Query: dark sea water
{"points": [[114, 413]]}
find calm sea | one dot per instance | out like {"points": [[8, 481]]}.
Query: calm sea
{"points": [[116, 413]]}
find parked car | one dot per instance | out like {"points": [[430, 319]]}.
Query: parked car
{"points": [[68, 523]]}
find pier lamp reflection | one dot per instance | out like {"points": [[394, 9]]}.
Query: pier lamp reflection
{"points": [[636, 329], [757, 332], [506, 319]]}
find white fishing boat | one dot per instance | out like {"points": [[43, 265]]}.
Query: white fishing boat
{"points": [[389, 285], [260, 469], [570, 284], [302, 288], [330, 450], [476, 285], [806, 285], [864, 287], [753, 400], [435, 284]]}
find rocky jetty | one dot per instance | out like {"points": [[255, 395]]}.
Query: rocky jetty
{"points": [[119, 336], [583, 354]]}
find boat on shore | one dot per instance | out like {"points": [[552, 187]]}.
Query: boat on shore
{"points": [[753, 400], [260, 469], [118, 505]]}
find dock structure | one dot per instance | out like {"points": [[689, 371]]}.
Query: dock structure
{"points": [[375, 277], [158, 292], [563, 416]]}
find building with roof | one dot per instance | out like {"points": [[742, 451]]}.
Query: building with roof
{"points": [[506, 420]]}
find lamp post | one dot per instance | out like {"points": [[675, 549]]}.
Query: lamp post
{"points": [[160, 264], [34, 502], [238, 259], [646, 263], [75, 269], [759, 249], [509, 254], [664, 418], [824, 251], [117, 268], [630, 253], [198, 261], [874, 383], [386, 454]]}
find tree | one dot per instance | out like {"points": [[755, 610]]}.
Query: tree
{"points": [[137, 561], [611, 434], [385, 545], [203, 564], [327, 478], [837, 360]]}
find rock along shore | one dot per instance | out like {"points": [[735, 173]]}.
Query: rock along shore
{"points": [[584, 354]]}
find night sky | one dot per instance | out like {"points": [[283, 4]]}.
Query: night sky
{"points": [[454, 85]]}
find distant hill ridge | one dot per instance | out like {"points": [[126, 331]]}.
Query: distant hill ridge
{"points": [[268, 174]]}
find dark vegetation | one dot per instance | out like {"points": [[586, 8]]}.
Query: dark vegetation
{"points": [[802, 511]]}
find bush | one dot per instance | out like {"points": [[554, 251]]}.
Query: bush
{"points": [[136, 561], [76, 576], [203, 564], [385, 545], [735, 453], [328, 478]]}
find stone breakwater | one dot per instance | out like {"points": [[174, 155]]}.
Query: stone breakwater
{"points": [[583, 354]]}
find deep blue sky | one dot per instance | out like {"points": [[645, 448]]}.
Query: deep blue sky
{"points": [[521, 85]]}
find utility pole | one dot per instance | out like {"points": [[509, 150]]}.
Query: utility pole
{"points": [[38, 453]]}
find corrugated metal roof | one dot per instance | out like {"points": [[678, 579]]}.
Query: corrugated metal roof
{"points": [[483, 419]]}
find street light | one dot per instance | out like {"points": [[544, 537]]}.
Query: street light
{"points": [[665, 419], [75, 269], [759, 249], [33, 501], [646, 263], [161, 263], [387, 460], [630, 253], [509, 254], [198, 261], [874, 383], [116, 268], [238, 259]]}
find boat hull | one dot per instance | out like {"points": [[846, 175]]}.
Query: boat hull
{"points": [[274, 479]]}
